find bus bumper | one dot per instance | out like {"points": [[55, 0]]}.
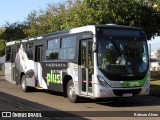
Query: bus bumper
{"points": [[103, 92]]}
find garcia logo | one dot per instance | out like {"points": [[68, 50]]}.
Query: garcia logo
{"points": [[53, 78]]}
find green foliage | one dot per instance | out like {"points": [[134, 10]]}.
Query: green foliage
{"points": [[1, 72], [11, 32], [2, 42], [2, 47], [46, 21], [77, 13], [14, 31]]}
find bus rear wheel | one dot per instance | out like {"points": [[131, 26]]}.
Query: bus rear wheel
{"points": [[24, 86], [71, 92]]}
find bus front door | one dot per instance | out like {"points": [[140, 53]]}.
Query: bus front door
{"points": [[86, 67]]}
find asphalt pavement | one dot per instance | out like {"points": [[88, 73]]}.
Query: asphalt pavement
{"points": [[6, 103]]}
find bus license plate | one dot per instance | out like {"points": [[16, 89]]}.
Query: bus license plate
{"points": [[127, 94]]}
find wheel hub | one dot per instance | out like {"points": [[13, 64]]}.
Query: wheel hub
{"points": [[71, 91]]}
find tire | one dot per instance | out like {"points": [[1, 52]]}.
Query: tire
{"points": [[25, 88], [71, 93]]}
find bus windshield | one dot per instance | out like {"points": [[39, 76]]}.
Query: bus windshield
{"points": [[124, 56]]}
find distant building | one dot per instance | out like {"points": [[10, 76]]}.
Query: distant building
{"points": [[154, 62], [154, 54]]}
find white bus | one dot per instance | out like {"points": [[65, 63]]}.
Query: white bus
{"points": [[95, 61]]}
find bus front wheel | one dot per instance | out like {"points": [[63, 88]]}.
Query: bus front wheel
{"points": [[71, 92], [25, 88]]}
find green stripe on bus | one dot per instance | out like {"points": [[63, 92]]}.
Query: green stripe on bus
{"points": [[135, 83], [18, 41]]}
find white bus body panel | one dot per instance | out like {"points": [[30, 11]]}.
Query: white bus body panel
{"points": [[107, 92], [8, 72]]}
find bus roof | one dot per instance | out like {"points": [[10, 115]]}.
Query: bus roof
{"points": [[10, 43], [71, 31], [118, 26]]}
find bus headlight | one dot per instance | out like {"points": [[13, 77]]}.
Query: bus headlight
{"points": [[102, 81]]}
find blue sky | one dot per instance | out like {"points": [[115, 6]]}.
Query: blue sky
{"points": [[17, 10]]}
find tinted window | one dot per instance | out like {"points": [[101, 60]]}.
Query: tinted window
{"points": [[120, 32], [68, 45], [52, 51], [53, 44], [18, 46], [29, 50], [122, 56], [13, 55], [8, 53], [69, 42]]}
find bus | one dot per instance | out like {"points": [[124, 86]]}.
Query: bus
{"points": [[93, 61]]}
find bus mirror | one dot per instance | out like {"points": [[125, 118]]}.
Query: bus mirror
{"points": [[94, 47]]}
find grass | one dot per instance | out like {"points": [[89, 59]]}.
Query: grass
{"points": [[1, 72], [155, 83], [155, 77]]}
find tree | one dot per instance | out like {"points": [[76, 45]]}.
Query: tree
{"points": [[2, 42], [130, 12], [2, 47], [11, 32], [46, 21], [137, 13], [14, 31]]}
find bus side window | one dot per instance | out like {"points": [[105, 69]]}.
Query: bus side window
{"points": [[29, 50], [52, 51], [18, 46], [13, 55], [67, 50], [8, 54]]}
